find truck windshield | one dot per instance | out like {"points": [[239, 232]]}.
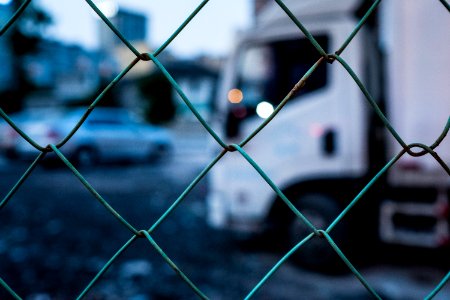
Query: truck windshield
{"points": [[266, 72]]}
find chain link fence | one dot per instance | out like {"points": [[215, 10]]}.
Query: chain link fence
{"points": [[415, 150]]}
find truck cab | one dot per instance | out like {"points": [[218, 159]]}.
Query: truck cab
{"points": [[327, 142]]}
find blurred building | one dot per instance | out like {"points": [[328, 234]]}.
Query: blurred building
{"points": [[133, 26], [258, 6], [197, 77], [62, 73], [58, 72]]}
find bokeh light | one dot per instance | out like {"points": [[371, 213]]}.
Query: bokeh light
{"points": [[235, 96], [264, 109]]}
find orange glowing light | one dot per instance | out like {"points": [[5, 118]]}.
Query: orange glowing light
{"points": [[235, 96]]}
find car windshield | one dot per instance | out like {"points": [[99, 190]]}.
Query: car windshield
{"points": [[71, 116]]}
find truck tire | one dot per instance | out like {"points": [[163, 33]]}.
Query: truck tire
{"points": [[317, 254], [85, 157], [159, 153]]}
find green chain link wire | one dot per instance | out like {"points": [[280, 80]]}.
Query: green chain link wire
{"points": [[415, 149]]}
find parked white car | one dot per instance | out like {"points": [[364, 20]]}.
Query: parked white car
{"points": [[107, 134]]}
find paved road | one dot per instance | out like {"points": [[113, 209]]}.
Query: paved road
{"points": [[54, 238]]}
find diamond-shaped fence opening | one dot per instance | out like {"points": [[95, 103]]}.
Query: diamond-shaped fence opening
{"points": [[147, 234]]}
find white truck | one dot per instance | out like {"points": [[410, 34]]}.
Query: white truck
{"points": [[327, 143]]}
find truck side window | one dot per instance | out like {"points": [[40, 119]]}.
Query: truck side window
{"points": [[268, 71], [291, 60]]}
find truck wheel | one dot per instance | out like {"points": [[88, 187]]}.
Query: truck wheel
{"points": [[317, 254], [159, 153], [85, 157]]}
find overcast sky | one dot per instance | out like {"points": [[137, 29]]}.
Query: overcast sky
{"points": [[211, 31]]}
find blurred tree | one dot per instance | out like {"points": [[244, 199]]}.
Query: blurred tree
{"points": [[158, 92], [23, 38]]}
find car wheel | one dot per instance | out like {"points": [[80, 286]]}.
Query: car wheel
{"points": [[317, 254], [159, 152], [86, 157]]}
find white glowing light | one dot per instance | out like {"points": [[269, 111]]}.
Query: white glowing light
{"points": [[264, 109], [108, 8], [5, 2]]}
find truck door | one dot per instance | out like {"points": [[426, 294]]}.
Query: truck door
{"points": [[320, 133]]}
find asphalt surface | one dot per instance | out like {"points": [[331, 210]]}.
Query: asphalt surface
{"points": [[55, 237]]}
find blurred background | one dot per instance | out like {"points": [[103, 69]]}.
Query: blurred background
{"points": [[140, 149]]}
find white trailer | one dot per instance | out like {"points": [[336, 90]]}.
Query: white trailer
{"points": [[327, 143]]}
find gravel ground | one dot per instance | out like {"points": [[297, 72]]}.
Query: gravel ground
{"points": [[55, 237]]}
